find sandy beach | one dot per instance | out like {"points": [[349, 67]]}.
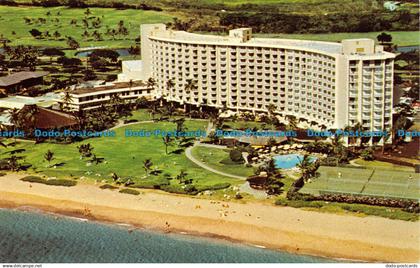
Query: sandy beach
{"points": [[294, 230]]}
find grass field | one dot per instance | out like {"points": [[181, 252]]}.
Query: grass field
{"points": [[122, 155], [213, 157], [15, 29], [369, 181], [12, 20]]}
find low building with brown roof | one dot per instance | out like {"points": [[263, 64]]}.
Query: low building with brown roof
{"points": [[14, 82], [43, 118]]}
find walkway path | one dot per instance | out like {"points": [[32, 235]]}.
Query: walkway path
{"points": [[122, 124], [245, 188], [189, 155]]}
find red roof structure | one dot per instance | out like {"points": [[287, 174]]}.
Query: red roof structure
{"points": [[43, 118]]}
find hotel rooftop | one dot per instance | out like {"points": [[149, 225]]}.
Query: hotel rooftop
{"points": [[233, 38]]}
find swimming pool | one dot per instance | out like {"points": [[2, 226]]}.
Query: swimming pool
{"points": [[289, 160]]}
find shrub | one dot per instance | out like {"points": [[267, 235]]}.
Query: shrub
{"points": [[214, 187], [228, 161], [176, 189], [236, 155], [298, 203], [108, 186], [190, 188], [34, 179], [53, 182], [58, 182], [293, 195], [367, 154], [406, 204], [329, 161], [127, 121], [4, 164], [384, 212], [2, 174], [129, 191]]}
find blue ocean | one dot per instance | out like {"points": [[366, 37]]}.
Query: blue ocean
{"points": [[27, 236]]}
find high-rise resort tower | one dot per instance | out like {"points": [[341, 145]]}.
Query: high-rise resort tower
{"points": [[332, 84]]}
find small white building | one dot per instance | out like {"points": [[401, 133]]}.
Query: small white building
{"points": [[93, 97], [47, 100], [131, 70]]}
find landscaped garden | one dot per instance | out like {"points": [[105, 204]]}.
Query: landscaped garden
{"points": [[143, 162], [220, 160]]}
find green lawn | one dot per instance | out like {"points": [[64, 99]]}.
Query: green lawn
{"points": [[15, 28], [382, 182], [213, 157], [408, 38], [240, 124], [382, 165], [140, 115], [122, 155], [12, 20]]}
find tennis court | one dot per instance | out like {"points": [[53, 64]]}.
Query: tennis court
{"points": [[368, 181]]}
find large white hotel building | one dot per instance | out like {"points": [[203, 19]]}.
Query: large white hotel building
{"points": [[332, 84]]}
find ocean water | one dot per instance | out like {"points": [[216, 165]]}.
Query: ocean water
{"points": [[27, 236]]}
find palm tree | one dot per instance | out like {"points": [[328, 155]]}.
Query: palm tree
{"points": [[305, 165], [216, 121], [85, 150], [181, 177], [180, 124], [169, 109], [271, 108], [114, 177], [67, 99], [147, 165], [14, 117], [402, 121], [28, 119], [190, 86], [49, 155], [150, 83], [96, 160], [141, 102], [170, 84], [355, 128], [115, 103], [167, 140], [339, 150], [292, 122], [13, 163]]}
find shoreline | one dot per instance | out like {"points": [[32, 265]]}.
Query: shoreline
{"points": [[287, 229], [130, 228]]}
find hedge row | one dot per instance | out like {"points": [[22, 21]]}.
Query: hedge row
{"points": [[129, 191], [406, 205], [191, 189], [54, 182], [108, 186]]}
